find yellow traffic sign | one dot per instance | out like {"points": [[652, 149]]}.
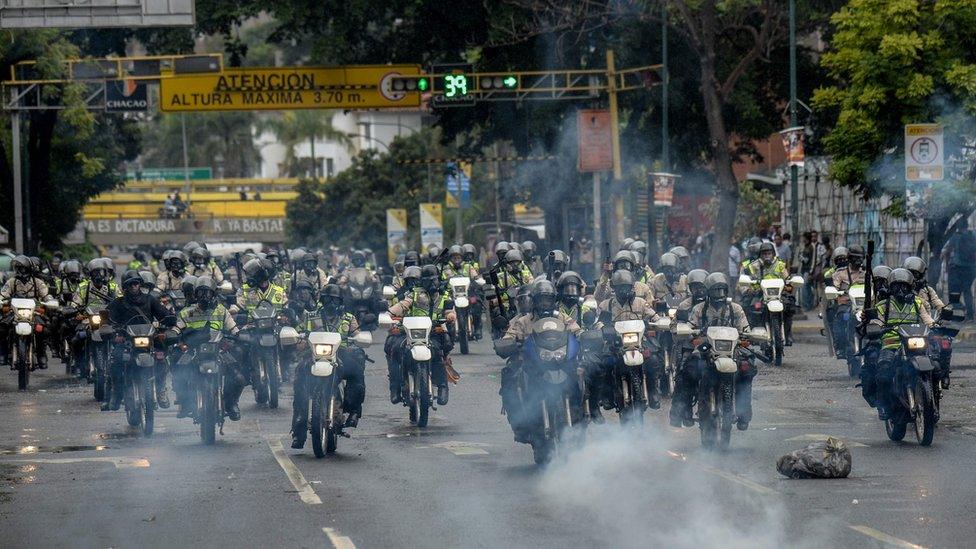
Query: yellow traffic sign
{"points": [[286, 88]]}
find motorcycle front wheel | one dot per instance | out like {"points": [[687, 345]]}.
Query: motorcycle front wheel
{"points": [[633, 408], [462, 321], [23, 364], [726, 390], [148, 402], [776, 331], [208, 406], [260, 380], [133, 400], [924, 411], [323, 435], [421, 397], [274, 380], [708, 419]]}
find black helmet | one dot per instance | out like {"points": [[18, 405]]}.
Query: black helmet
{"points": [[187, 285], [501, 249], [305, 294], [190, 246], [543, 298], [411, 258], [529, 249], [558, 261], [256, 272], [696, 283], [331, 297], [683, 256], [916, 266], [433, 252], [98, 270], [767, 252], [752, 247], [148, 280], [411, 277], [622, 283], [624, 260], [639, 247], [840, 256], [570, 286], [71, 270], [469, 252], [513, 257], [456, 254], [856, 255], [881, 275], [175, 261], [204, 291], [199, 257], [429, 277], [901, 284], [22, 267], [131, 279], [717, 287], [273, 256], [358, 259]]}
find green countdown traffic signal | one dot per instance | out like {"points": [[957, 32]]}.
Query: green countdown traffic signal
{"points": [[410, 83], [455, 85]]}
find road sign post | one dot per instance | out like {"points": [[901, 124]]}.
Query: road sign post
{"points": [[924, 153]]}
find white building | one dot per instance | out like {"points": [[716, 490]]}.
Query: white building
{"points": [[367, 129]]}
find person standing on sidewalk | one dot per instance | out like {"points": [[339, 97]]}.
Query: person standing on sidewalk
{"points": [[959, 253]]}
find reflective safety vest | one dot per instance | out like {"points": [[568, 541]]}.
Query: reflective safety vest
{"points": [[253, 296], [894, 315], [340, 324], [111, 290], [196, 318], [420, 304]]}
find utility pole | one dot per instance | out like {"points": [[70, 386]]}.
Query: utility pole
{"points": [[186, 159], [794, 184], [18, 181], [652, 213], [616, 235]]}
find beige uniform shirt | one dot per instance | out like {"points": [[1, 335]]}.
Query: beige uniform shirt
{"points": [[845, 278], [211, 270], [168, 281], [603, 290], [930, 298], [661, 289], [637, 309], [731, 314], [402, 307], [33, 288], [521, 326]]}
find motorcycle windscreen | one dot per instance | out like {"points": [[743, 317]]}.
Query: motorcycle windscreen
{"points": [[359, 283], [264, 310], [550, 333], [140, 330]]}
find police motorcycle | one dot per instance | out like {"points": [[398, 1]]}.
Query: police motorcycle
{"points": [[913, 400], [139, 374], [460, 286], [766, 311], [266, 333], [551, 385], [204, 358], [668, 349], [26, 319], [326, 388], [415, 363], [361, 293], [720, 353], [852, 314], [625, 339]]}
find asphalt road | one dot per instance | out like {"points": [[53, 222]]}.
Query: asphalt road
{"points": [[72, 476]]}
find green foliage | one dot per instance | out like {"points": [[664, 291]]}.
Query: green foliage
{"points": [[897, 62], [210, 136], [293, 128]]}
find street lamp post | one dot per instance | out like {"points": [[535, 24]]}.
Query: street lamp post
{"points": [[794, 184]]}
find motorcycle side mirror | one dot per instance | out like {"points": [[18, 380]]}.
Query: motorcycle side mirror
{"points": [[831, 293], [234, 309], [683, 329], [385, 320], [388, 292], [506, 347], [745, 280], [663, 324], [52, 305], [479, 281], [363, 340], [797, 280]]}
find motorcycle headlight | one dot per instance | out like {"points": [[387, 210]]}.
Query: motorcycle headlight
{"points": [[460, 290], [672, 312], [25, 314], [630, 339], [322, 350], [859, 315], [559, 354], [96, 320], [916, 343], [418, 334], [723, 346], [141, 342]]}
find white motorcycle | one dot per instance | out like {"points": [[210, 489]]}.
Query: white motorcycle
{"points": [[630, 379], [416, 389], [768, 312], [459, 293], [326, 389], [27, 319]]}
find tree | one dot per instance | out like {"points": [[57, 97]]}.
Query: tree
{"points": [[210, 136], [896, 63], [293, 128]]}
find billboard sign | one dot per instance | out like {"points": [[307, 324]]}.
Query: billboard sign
{"points": [[431, 225], [924, 152], [396, 233], [595, 141], [66, 14]]}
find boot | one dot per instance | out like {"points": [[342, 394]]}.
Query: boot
{"points": [[231, 397], [352, 421], [443, 393], [162, 395]]}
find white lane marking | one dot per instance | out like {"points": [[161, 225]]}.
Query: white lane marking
{"points": [[338, 540], [119, 462], [463, 448], [294, 475], [754, 486], [884, 538], [817, 437]]}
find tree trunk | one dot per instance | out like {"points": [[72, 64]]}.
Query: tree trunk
{"points": [[726, 186], [38, 182], [315, 171]]}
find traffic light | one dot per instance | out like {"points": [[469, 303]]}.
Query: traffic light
{"points": [[455, 85], [410, 84], [499, 82]]}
